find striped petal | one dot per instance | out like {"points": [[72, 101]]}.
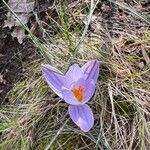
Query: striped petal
{"points": [[54, 79], [74, 74], [82, 116], [89, 91], [91, 70]]}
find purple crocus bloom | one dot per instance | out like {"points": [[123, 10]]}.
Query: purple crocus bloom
{"points": [[76, 87]]}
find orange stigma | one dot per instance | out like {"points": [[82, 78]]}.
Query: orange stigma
{"points": [[79, 92]]}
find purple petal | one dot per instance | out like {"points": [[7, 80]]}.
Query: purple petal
{"points": [[54, 78], [91, 70], [73, 74], [82, 116], [69, 97], [89, 91]]}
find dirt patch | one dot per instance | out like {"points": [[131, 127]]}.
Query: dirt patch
{"points": [[12, 55], [119, 20]]}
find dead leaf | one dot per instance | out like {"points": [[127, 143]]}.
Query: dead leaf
{"points": [[21, 6], [18, 32], [23, 9]]}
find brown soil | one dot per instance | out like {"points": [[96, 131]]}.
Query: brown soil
{"points": [[12, 55]]}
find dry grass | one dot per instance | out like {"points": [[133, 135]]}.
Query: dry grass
{"points": [[37, 119]]}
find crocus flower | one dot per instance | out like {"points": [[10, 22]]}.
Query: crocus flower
{"points": [[76, 87]]}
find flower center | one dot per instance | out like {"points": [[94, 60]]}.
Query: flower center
{"points": [[79, 92]]}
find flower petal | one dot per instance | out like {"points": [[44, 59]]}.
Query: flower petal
{"points": [[89, 91], [73, 74], [82, 116], [54, 78], [91, 70], [69, 97]]}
